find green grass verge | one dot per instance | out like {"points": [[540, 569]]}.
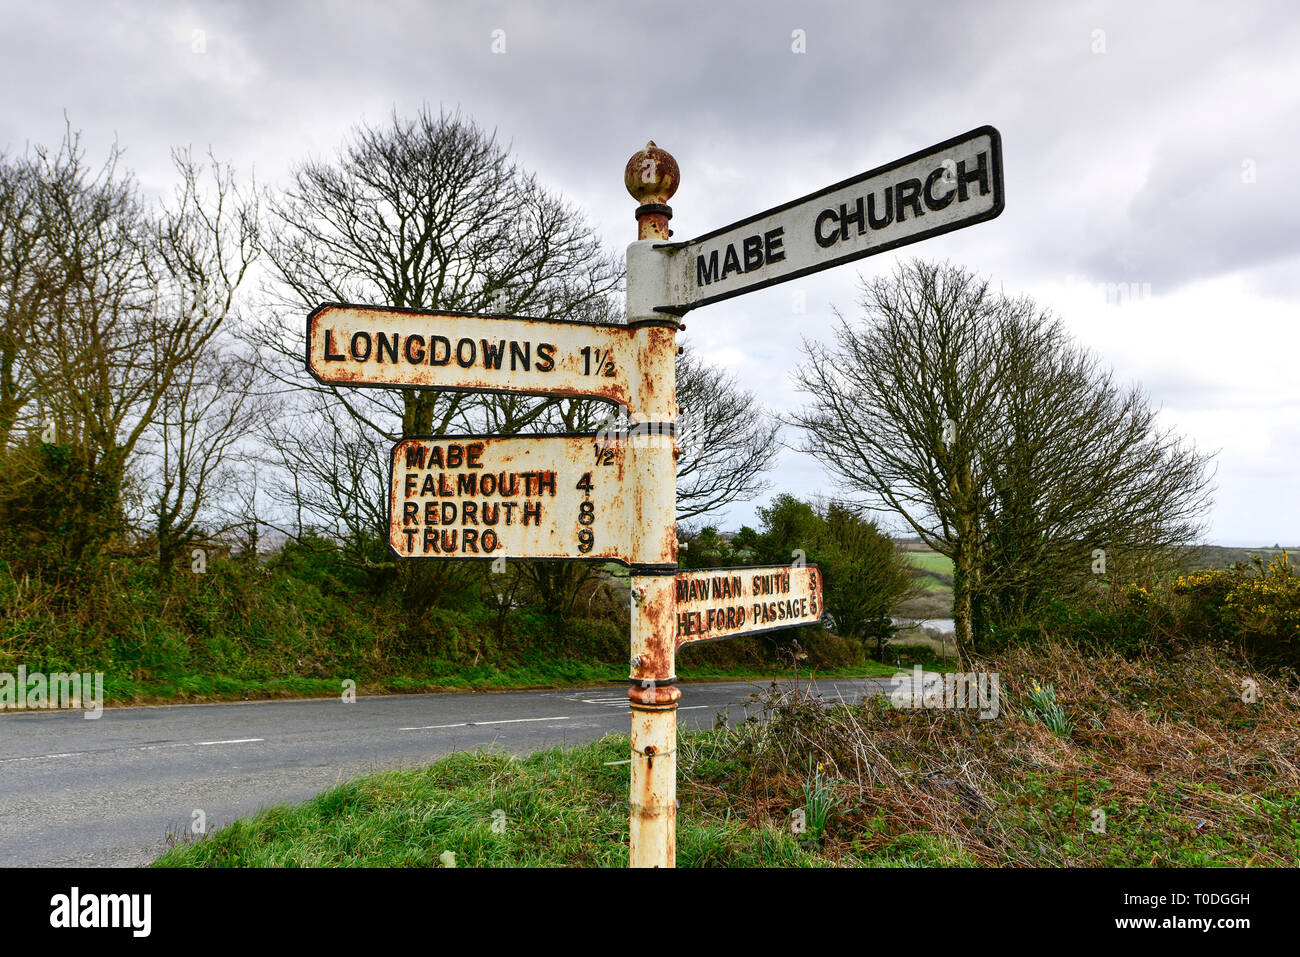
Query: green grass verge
{"points": [[562, 673], [562, 807]]}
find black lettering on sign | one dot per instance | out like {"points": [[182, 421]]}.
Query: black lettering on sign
{"points": [[730, 261], [934, 202], [411, 356], [465, 356], [908, 194], [545, 356], [882, 221], [826, 216], [330, 354], [980, 174], [755, 252], [384, 344], [703, 275], [492, 355], [847, 216], [437, 343], [772, 242]]}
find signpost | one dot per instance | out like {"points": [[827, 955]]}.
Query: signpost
{"points": [[611, 496]]}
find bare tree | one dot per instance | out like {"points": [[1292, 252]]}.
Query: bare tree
{"points": [[130, 297], [21, 290], [727, 439], [334, 474], [429, 213], [204, 421], [1003, 444]]}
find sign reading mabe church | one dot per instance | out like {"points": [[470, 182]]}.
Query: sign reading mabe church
{"points": [[953, 184]]}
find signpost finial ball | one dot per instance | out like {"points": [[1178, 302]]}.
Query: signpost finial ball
{"points": [[652, 175]]}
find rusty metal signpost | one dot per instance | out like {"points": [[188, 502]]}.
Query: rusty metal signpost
{"points": [[611, 496]]}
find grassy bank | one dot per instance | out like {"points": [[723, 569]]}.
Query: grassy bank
{"points": [[1154, 763], [302, 623]]}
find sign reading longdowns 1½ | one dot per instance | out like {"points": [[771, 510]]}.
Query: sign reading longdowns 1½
{"points": [[952, 184], [722, 602], [538, 496], [370, 346]]}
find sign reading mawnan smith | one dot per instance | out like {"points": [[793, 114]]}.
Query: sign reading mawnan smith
{"points": [[722, 602], [950, 185], [537, 496], [369, 346]]}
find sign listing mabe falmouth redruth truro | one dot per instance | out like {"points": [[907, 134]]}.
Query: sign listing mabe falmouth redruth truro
{"points": [[723, 602], [520, 496]]}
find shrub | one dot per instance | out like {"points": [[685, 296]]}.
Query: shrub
{"points": [[1255, 605]]}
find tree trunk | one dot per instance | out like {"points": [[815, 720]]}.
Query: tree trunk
{"points": [[962, 605]]}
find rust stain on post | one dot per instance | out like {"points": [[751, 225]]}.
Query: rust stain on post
{"points": [[652, 176]]}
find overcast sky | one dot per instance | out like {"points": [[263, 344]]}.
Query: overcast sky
{"points": [[1148, 144]]}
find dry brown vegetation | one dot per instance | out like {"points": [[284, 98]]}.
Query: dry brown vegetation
{"points": [[1184, 770]]}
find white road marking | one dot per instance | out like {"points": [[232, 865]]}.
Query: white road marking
{"points": [[477, 724], [200, 744], [146, 747]]}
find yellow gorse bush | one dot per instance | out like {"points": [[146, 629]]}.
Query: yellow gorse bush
{"points": [[1262, 599], [1269, 602]]}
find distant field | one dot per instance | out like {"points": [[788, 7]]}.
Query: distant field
{"points": [[930, 561], [934, 575], [936, 570], [1219, 556]]}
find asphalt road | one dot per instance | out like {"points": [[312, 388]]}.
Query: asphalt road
{"points": [[106, 792]]}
